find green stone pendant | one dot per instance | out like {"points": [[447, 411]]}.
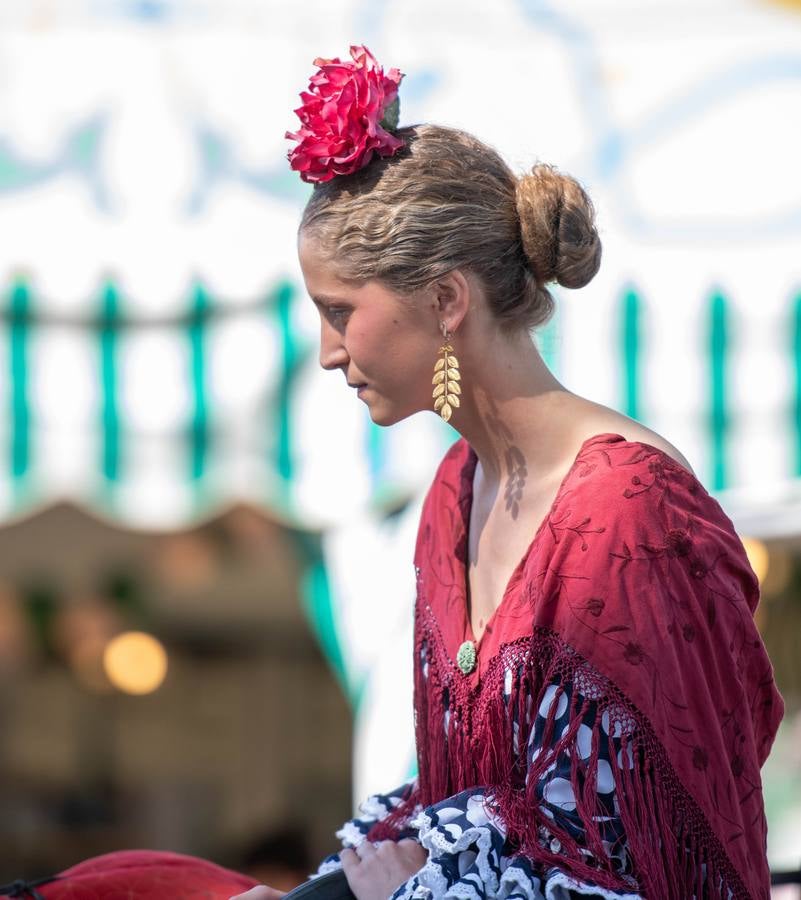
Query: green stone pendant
{"points": [[466, 657]]}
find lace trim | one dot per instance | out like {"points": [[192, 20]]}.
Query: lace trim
{"points": [[559, 882], [437, 841]]}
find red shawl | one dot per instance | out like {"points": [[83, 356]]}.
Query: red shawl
{"points": [[136, 875], [636, 589]]}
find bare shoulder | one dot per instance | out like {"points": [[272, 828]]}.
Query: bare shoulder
{"points": [[631, 430]]}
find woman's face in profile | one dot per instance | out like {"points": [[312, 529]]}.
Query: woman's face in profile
{"points": [[383, 342]]}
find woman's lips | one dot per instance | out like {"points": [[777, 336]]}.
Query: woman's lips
{"points": [[357, 385]]}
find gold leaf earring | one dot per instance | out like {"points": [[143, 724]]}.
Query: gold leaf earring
{"points": [[447, 378]]}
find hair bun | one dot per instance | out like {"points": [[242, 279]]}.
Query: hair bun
{"points": [[557, 224]]}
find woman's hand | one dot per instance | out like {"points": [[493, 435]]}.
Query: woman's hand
{"points": [[260, 892], [374, 873]]}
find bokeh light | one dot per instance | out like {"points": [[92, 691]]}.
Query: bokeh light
{"points": [[758, 556], [135, 662]]}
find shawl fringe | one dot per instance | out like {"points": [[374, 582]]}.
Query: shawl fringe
{"points": [[470, 737]]}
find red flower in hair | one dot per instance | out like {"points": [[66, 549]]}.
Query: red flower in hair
{"points": [[344, 117]]}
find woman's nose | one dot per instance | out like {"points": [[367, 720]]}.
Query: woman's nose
{"points": [[333, 354]]}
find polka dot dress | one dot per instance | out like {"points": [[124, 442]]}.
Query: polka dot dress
{"points": [[468, 855]]}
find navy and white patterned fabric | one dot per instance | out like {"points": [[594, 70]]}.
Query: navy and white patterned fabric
{"points": [[468, 857]]}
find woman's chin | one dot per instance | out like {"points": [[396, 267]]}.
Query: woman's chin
{"points": [[381, 416], [386, 414]]}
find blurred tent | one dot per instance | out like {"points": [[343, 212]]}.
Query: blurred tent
{"points": [[157, 351], [158, 355], [159, 421]]}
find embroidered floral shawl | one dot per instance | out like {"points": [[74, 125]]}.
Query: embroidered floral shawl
{"points": [[636, 588]]}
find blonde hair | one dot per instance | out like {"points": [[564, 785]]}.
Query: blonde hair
{"points": [[449, 201]]}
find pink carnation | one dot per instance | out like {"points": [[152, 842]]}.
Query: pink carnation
{"points": [[341, 117]]}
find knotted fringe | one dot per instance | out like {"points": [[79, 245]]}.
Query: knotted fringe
{"points": [[469, 738]]}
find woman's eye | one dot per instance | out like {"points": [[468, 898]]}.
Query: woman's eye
{"points": [[337, 314]]}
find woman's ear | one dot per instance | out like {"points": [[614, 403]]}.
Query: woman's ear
{"points": [[451, 297]]}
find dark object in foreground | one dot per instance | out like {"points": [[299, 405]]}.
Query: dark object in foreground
{"points": [[21, 888], [332, 886]]}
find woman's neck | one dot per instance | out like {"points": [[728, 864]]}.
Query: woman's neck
{"points": [[513, 411]]}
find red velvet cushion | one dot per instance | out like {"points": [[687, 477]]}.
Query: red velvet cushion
{"points": [[146, 875]]}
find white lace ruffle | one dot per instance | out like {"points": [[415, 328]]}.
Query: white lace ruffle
{"points": [[473, 845], [464, 841], [517, 882], [560, 886]]}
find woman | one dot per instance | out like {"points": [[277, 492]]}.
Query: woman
{"points": [[593, 702]]}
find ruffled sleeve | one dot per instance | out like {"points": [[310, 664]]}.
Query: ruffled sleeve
{"points": [[374, 809], [469, 856]]}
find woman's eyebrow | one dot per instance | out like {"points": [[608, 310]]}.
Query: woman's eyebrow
{"points": [[326, 298]]}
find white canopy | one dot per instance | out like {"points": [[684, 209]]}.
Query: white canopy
{"points": [[158, 355]]}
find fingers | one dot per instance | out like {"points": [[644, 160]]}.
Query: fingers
{"points": [[407, 847], [260, 892], [365, 850], [409, 842], [410, 853], [408, 850], [375, 871], [353, 856], [349, 859], [413, 849]]}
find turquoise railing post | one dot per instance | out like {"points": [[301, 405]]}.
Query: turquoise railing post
{"points": [[718, 413], [19, 331], [631, 345], [280, 303], [109, 378], [199, 316]]}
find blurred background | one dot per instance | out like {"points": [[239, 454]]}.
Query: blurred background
{"points": [[205, 545]]}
